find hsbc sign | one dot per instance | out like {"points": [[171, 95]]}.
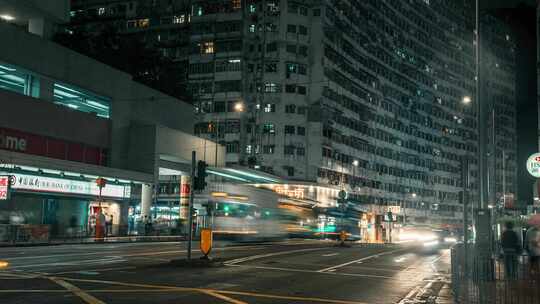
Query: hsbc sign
{"points": [[533, 165]]}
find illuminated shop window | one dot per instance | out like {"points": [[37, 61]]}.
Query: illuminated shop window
{"points": [[207, 47], [237, 4], [179, 19], [81, 100], [18, 80]]}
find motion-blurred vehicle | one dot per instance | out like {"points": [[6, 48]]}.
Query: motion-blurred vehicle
{"points": [[428, 238]]}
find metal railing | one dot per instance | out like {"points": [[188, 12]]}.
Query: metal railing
{"points": [[50, 234], [505, 279]]}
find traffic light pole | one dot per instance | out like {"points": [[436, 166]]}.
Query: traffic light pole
{"points": [[191, 196]]}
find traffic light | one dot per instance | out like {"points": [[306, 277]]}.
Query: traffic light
{"points": [[200, 179]]}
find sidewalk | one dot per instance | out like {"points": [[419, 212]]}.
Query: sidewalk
{"points": [[91, 240], [445, 295]]}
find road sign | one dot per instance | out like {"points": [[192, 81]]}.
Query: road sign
{"points": [[533, 165], [206, 241]]}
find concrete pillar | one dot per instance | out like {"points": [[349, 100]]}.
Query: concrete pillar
{"points": [[41, 27], [46, 89], [146, 200]]}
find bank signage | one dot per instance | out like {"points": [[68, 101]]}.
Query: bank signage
{"points": [[533, 165], [4, 187], [36, 183]]}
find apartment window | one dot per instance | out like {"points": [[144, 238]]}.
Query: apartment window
{"points": [[303, 50], [81, 100], [270, 67], [252, 28], [219, 107], [295, 68], [301, 151], [291, 48], [291, 28], [301, 131], [288, 150], [139, 23], [292, 8], [290, 108], [302, 90], [270, 108], [302, 30], [229, 65], [289, 129], [271, 47], [316, 12], [290, 170], [207, 47], [269, 149], [290, 88], [179, 19], [101, 11], [271, 87], [17, 80], [302, 110], [303, 10], [236, 4], [233, 147], [228, 86], [252, 8], [269, 129]]}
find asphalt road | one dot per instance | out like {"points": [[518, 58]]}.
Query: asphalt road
{"points": [[281, 272]]}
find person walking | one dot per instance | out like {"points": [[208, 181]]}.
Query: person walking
{"points": [[533, 248], [511, 248]]}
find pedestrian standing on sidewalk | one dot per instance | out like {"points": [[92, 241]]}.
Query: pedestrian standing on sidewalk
{"points": [[533, 247], [511, 249]]}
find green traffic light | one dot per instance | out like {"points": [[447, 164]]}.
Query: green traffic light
{"points": [[226, 208]]}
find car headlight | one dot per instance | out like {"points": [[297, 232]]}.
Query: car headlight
{"points": [[450, 240], [431, 243]]}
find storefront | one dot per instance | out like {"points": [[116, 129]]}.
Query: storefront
{"points": [[67, 202]]}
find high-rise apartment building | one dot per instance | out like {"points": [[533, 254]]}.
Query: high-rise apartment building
{"points": [[365, 96], [155, 32]]}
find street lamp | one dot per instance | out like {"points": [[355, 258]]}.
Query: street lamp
{"points": [[466, 100], [355, 163], [239, 107]]}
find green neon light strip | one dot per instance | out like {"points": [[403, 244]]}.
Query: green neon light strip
{"points": [[227, 175], [252, 175]]}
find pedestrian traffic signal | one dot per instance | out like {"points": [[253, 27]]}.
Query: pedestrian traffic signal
{"points": [[200, 179]]}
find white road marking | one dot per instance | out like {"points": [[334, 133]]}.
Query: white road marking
{"points": [[359, 260], [261, 256], [321, 273], [330, 254]]}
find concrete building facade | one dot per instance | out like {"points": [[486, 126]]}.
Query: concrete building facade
{"points": [[359, 95], [66, 120], [365, 96]]}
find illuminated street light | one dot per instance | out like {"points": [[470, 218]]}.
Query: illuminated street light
{"points": [[239, 107], [7, 17], [414, 195], [355, 163], [467, 99]]}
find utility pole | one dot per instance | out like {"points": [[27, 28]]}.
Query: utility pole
{"points": [[465, 196], [191, 196]]}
